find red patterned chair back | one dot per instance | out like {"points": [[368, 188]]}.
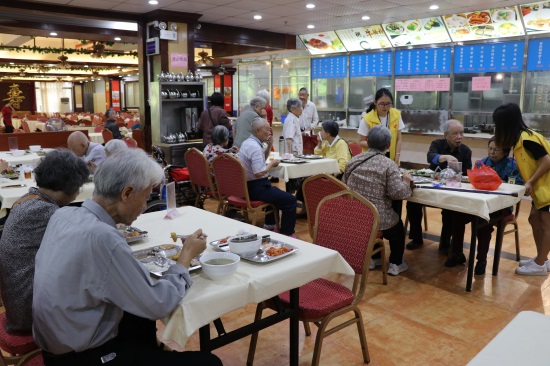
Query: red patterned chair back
{"points": [[355, 148], [348, 223], [130, 142], [99, 128], [230, 177], [316, 188], [107, 135], [25, 126], [137, 134], [309, 143], [199, 169]]}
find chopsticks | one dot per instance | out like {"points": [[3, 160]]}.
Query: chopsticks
{"points": [[513, 194], [15, 186]]}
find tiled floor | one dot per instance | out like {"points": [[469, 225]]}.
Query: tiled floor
{"points": [[422, 317]]}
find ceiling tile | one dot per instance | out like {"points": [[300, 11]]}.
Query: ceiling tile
{"points": [[161, 4], [189, 7], [249, 5], [132, 8], [225, 10], [53, 1], [95, 4]]}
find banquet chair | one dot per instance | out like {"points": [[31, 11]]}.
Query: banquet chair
{"points": [[130, 142], [201, 178], [512, 220], [355, 148], [99, 128], [107, 135], [20, 348], [137, 134], [321, 301], [231, 183], [25, 126]]}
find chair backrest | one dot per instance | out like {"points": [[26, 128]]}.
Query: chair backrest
{"points": [[99, 128], [25, 126], [355, 148], [17, 130], [107, 135], [316, 188], [348, 223], [230, 177], [130, 142], [137, 134], [199, 169]]}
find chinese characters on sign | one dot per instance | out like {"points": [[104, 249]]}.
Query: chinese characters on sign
{"points": [[425, 84], [494, 57], [371, 64], [329, 67], [178, 59], [15, 96], [423, 61], [538, 57], [481, 83]]}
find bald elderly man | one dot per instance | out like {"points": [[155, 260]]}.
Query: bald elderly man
{"points": [[92, 153]]}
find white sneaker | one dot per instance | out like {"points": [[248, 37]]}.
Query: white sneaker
{"points": [[395, 269], [375, 262], [523, 262], [532, 269]]}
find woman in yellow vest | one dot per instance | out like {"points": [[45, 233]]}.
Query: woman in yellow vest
{"points": [[381, 112], [531, 151]]}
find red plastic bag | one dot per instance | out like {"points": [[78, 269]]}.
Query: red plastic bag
{"points": [[484, 177], [179, 174]]}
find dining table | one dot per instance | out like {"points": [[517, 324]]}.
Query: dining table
{"points": [[98, 136], [28, 158], [478, 204], [303, 167], [207, 300]]}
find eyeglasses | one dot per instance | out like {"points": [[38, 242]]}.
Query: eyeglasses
{"points": [[384, 105], [496, 151]]}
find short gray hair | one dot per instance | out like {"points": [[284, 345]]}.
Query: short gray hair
{"points": [[257, 124], [131, 167], [447, 125], [110, 112], [293, 103], [264, 94], [379, 138], [220, 134], [258, 101], [303, 89], [115, 145]]}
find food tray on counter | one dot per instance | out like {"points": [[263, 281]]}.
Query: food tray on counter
{"points": [[294, 161], [265, 254], [133, 234], [148, 257]]}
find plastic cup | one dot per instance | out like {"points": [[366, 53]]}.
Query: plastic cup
{"points": [[28, 174]]}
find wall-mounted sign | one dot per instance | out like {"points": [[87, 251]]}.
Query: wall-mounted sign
{"points": [[481, 83], [538, 57], [536, 17], [329, 67], [322, 43], [364, 38], [493, 57], [485, 24], [178, 59], [423, 84], [370, 64], [427, 61], [417, 31]]}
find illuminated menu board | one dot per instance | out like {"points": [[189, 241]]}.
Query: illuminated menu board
{"points": [[417, 31], [485, 24], [494, 57], [322, 43], [423, 61], [370, 64], [538, 57], [329, 67], [364, 38], [536, 17]]}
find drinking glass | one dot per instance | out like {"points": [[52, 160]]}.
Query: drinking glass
{"points": [[12, 143]]}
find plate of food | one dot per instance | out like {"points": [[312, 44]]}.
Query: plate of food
{"points": [[423, 172], [223, 245], [478, 18], [133, 234], [503, 15], [319, 42], [412, 26], [311, 156], [484, 31], [158, 259], [10, 175], [432, 23], [461, 33], [538, 20], [508, 29], [294, 161], [272, 250], [456, 20], [394, 28]]}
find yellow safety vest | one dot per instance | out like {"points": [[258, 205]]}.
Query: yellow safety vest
{"points": [[527, 167], [371, 119]]}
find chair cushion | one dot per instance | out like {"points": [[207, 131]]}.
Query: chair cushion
{"points": [[36, 361], [241, 202], [510, 217], [320, 298], [15, 343]]}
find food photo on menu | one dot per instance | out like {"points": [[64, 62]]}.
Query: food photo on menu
{"points": [[485, 24], [416, 32], [364, 38], [536, 17], [322, 43]]}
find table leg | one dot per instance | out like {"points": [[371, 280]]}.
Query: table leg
{"points": [[294, 326], [498, 246], [204, 338], [471, 257]]}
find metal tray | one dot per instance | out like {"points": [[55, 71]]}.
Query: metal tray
{"points": [[133, 234], [10, 176], [147, 256], [421, 179], [294, 161], [311, 156], [261, 256]]}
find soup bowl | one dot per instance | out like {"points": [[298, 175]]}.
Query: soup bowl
{"points": [[35, 148], [18, 152], [245, 248], [219, 265]]}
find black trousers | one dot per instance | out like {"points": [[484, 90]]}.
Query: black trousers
{"points": [[396, 236]]}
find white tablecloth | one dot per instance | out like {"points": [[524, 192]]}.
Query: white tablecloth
{"points": [[29, 158], [524, 341], [207, 300], [312, 167], [98, 136]]}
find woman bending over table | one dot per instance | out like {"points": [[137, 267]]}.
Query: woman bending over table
{"points": [[531, 151]]}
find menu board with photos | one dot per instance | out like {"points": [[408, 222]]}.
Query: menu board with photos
{"points": [[485, 24], [329, 67], [322, 43], [423, 61], [364, 38], [536, 17], [417, 31], [370, 64], [538, 57], [493, 57]]}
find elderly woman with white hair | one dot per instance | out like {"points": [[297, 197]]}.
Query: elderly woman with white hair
{"points": [[376, 177], [268, 110], [218, 146], [86, 277], [113, 146]]}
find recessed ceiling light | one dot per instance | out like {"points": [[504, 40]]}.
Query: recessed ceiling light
{"points": [[11, 63], [118, 67], [434, 7], [365, 17], [53, 34], [310, 6], [118, 39], [85, 65], [310, 26], [153, 2], [257, 17]]}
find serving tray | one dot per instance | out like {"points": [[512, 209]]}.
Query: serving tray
{"points": [[148, 257], [293, 161], [133, 234], [262, 256], [311, 156]]}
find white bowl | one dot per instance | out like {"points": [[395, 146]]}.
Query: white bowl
{"points": [[35, 147], [246, 249], [18, 152], [219, 271]]}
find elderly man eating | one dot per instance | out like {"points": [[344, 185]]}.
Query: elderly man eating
{"points": [[86, 278], [92, 153]]}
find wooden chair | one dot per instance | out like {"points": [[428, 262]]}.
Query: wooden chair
{"points": [[130, 142], [512, 220], [25, 126], [323, 301], [20, 347], [99, 128], [231, 183], [355, 148], [201, 178], [107, 135]]}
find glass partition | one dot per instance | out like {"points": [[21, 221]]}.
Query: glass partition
{"points": [[362, 87], [251, 78], [504, 88], [289, 75], [537, 92]]}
